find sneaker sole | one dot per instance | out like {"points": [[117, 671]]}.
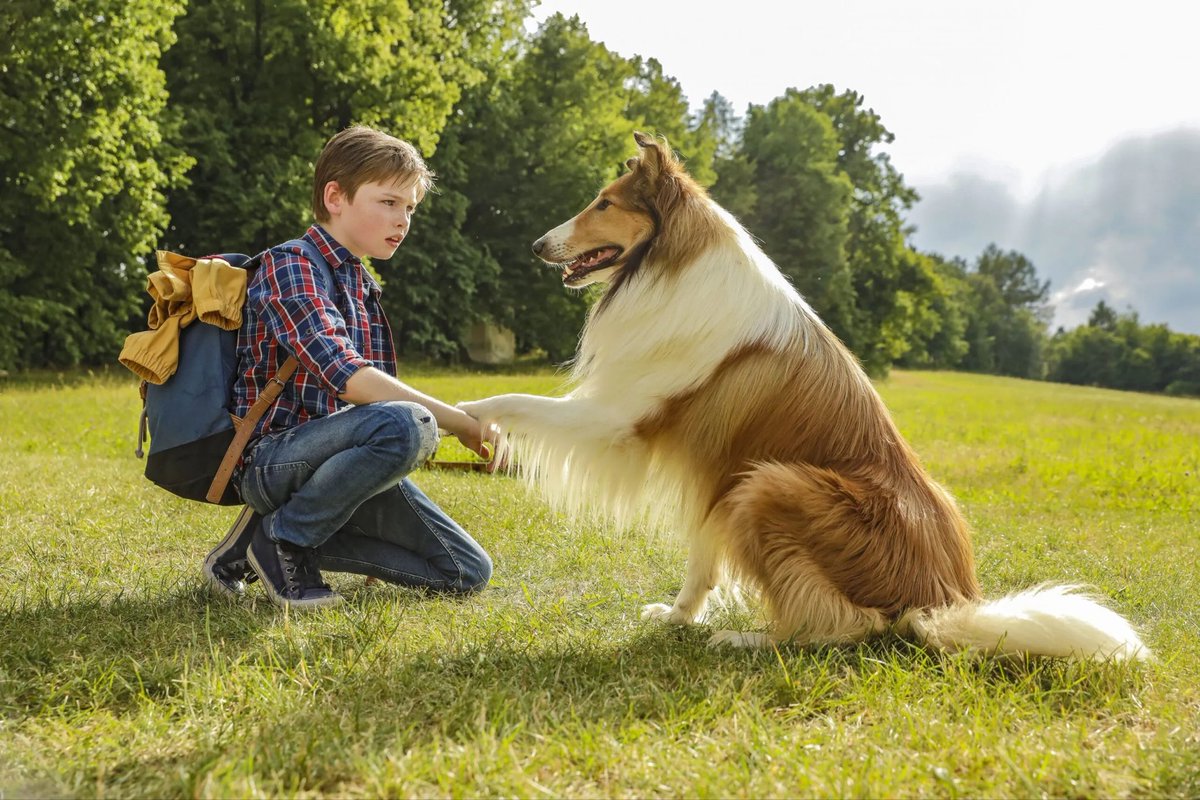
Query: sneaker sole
{"points": [[238, 527], [283, 602]]}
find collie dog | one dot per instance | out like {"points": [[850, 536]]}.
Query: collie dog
{"points": [[706, 390]]}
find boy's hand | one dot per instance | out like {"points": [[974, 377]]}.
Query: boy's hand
{"points": [[483, 441], [487, 440]]}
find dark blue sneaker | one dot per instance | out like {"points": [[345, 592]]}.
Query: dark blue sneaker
{"points": [[289, 573], [226, 569]]}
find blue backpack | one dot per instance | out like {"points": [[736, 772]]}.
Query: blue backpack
{"points": [[195, 441]]}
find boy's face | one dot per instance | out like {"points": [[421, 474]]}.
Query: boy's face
{"points": [[376, 221]]}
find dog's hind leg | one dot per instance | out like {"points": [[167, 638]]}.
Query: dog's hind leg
{"points": [[779, 514], [703, 572]]}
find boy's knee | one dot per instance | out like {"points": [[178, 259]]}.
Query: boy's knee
{"points": [[414, 418], [475, 575]]}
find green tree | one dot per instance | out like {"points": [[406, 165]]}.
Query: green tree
{"points": [[534, 145], [1103, 316], [802, 203], [936, 337], [84, 168], [894, 287], [1087, 356], [262, 85], [734, 187], [1008, 315], [1117, 351], [656, 104]]}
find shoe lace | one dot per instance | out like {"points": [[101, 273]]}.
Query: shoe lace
{"points": [[293, 564]]}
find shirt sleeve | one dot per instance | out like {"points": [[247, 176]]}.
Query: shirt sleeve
{"points": [[299, 314]]}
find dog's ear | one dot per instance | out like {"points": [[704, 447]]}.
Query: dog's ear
{"points": [[653, 156]]}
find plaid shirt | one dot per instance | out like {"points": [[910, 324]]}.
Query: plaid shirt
{"points": [[288, 312]]}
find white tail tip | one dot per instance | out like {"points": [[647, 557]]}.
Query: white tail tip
{"points": [[1057, 621]]}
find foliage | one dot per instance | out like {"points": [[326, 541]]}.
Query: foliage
{"points": [[84, 168], [807, 175], [1115, 350], [126, 125], [1006, 329], [530, 147], [261, 86], [802, 202], [893, 286]]}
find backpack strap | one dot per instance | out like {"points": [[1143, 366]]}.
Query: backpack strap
{"points": [[275, 386]]}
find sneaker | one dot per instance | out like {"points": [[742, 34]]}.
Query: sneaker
{"points": [[226, 569], [289, 573]]}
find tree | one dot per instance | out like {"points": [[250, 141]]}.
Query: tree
{"points": [[802, 202], [84, 165], [893, 286], [734, 187], [534, 144], [1103, 316], [262, 85], [1115, 350], [936, 336], [656, 104], [1008, 315]]}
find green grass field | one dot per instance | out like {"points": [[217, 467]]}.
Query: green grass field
{"points": [[120, 677]]}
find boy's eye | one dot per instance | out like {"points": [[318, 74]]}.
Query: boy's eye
{"points": [[389, 202]]}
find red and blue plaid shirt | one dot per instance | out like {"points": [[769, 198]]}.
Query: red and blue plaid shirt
{"points": [[288, 312]]}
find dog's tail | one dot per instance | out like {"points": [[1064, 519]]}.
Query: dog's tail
{"points": [[1057, 621]]}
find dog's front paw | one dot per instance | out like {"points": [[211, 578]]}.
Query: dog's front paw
{"points": [[742, 639], [665, 613], [483, 410]]}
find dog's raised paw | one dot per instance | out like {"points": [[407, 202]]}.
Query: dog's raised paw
{"points": [[742, 639], [666, 613]]}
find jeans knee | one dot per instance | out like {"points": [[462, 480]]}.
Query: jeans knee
{"points": [[475, 575], [422, 426]]}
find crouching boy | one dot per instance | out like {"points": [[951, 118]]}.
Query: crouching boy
{"points": [[324, 477]]}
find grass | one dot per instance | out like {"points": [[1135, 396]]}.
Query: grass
{"points": [[119, 676]]}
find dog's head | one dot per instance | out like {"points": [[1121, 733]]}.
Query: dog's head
{"points": [[608, 240]]}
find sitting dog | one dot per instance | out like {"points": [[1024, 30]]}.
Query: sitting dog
{"points": [[707, 389]]}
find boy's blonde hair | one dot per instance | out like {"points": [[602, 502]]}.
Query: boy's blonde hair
{"points": [[360, 155]]}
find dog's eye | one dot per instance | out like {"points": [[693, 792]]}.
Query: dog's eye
{"points": [[603, 204]]}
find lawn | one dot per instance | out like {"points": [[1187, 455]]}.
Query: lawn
{"points": [[120, 676]]}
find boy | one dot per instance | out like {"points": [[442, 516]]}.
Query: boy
{"points": [[324, 489]]}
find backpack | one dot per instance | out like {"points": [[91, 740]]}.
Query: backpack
{"points": [[195, 440]]}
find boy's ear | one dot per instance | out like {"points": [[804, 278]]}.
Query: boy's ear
{"points": [[333, 197]]}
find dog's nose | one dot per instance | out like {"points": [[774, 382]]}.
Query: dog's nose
{"points": [[539, 246]]}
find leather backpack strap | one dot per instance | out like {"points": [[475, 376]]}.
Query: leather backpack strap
{"points": [[245, 429]]}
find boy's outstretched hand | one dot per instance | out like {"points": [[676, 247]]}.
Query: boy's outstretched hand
{"points": [[483, 441]]}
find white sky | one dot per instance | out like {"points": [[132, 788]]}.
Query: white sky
{"points": [[1011, 90]]}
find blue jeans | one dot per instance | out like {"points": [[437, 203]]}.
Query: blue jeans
{"points": [[337, 484]]}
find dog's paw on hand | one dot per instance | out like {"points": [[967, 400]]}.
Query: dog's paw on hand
{"points": [[745, 640], [667, 613], [476, 408]]}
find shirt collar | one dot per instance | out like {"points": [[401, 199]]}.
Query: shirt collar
{"points": [[335, 254]]}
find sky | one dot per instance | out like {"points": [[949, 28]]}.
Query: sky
{"points": [[1067, 130]]}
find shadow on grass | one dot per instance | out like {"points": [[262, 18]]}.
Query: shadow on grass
{"points": [[112, 652], [347, 689]]}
